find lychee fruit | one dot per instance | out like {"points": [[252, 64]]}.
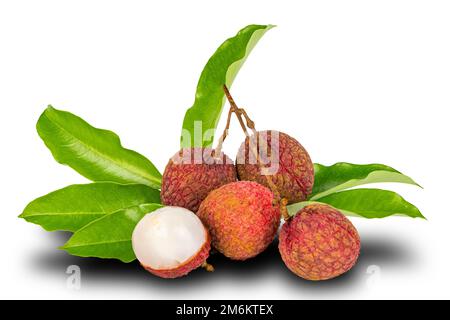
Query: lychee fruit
{"points": [[192, 173], [170, 242], [282, 158], [319, 243], [241, 219]]}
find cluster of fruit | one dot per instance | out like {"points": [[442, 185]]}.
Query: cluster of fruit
{"points": [[236, 208]]}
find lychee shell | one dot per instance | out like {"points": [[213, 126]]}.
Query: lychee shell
{"points": [[240, 218], [294, 178], [196, 261], [186, 183], [319, 243]]}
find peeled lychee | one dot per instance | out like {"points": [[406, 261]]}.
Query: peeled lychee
{"points": [[191, 174], [319, 243], [170, 242], [282, 158], [241, 219]]}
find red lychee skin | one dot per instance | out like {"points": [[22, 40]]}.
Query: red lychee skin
{"points": [[295, 176], [319, 243], [190, 176], [196, 261], [240, 218]]}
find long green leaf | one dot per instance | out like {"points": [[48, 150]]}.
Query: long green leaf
{"points": [[109, 236], [95, 153], [75, 206], [220, 69], [343, 175], [367, 203]]}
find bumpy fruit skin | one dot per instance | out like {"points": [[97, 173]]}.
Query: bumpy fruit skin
{"points": [[195, 262], [319, 243], [241, 219], [292, 169], [192, 174]]}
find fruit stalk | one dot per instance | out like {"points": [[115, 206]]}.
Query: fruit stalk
{"points": [[208, 267], [224, 135], [240, 113], [235, 110]]}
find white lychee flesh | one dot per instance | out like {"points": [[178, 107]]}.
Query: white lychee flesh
{"points": [[168, 237]]}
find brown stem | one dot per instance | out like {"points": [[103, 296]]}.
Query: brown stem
{"points": [[251, 125], [283, 209], [240, 113], [224, 135], [207, 267], [234, 108], [250, 122]]}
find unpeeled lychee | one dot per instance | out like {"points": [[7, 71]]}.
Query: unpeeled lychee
{"points": [[319, 243], [241, 219], [282, 158], [170, 242], [192, 173]]}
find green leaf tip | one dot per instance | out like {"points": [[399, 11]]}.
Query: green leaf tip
{"points": [[97, 154], [200, 120], [73, 207], [366, 203], [343, 175]]}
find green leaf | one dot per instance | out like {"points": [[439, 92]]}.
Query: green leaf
{"points": [[75, 206], [367, 203], [95, 153], [220, 69], [342, 175], [109, 236]]}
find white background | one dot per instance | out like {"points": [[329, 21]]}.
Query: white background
{"points": [[357, 81]]}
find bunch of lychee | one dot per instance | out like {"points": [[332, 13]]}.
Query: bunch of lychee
{"points": [[236, 208]]}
